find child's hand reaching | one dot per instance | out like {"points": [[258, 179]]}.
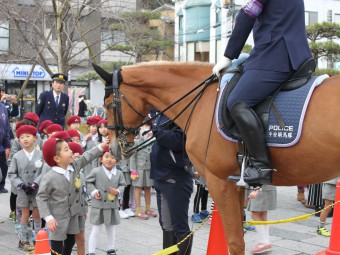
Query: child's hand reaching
{"points": [[52, 225], [89, 135], [105, 144]]}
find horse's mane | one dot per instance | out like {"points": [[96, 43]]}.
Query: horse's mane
{"points": [[167, 63]]}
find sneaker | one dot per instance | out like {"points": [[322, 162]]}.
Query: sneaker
{"points": [[204, 214], [323, 232], [111, 252], [12, 216], [196, 218], [141, 216], [129, 212], [25, 246], [3, 190], [151, 213], [123, 215], [132, 206], [248, 227], [261, 248]]}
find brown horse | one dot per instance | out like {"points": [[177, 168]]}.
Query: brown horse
{"points": [[315, 158]]}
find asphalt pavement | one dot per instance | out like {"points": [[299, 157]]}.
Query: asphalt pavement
{"points": [[144, 237]]}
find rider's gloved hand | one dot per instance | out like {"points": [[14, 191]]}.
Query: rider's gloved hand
{"points": [[222, 64]]}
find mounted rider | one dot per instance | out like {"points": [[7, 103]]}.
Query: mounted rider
{"points": [[281, 47]]}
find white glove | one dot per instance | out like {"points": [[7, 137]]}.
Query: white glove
{"points": [[223, 63]]}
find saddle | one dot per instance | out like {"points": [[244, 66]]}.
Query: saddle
{"points": [[297, 80]]}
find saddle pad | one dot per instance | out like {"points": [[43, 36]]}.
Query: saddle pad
{"points": [[291, 105]]}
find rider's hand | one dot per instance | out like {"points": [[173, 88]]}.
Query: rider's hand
{"points": [[223, 63]]}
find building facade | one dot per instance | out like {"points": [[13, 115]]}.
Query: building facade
{"points": [[203, 27]]}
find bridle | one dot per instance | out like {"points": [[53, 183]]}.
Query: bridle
{"points": [[120, 129], [123, 131]]}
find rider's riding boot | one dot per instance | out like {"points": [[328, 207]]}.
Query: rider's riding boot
{"points": [[251, 130]]}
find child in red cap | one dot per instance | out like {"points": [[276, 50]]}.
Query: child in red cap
{"points": [[73, 123], [90, 140], [57, 194], [105, 183], [42, 129], [74, 134], [52, 129], [24, 172]]}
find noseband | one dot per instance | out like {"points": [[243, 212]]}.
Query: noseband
{"points": [[120, 129]]}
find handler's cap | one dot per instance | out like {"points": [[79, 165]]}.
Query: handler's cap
{"points": [[49, 151], [75, 147], [33, 117], [26, 129], [73, 119], [53, 128], [62, 135], [44, 125], [73, 133], [59, 77]]}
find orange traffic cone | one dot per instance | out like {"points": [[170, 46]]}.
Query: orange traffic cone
{"points": [[42, 244], [334, 244], [217, 241]]}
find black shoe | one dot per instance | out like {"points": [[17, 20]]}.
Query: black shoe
{"points": [[3, 190], [255, 176], [111, 252]]}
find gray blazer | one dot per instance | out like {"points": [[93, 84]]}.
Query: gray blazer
{"points": [[140, 160], [21, 170], [97, 179], [124, 165], [57, 196]]}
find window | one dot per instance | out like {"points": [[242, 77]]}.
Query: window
{"points": [[27, 2], [337, 18], [107, 37], [311, 18], [4, 36]]}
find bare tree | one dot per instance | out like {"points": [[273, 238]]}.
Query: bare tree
{"points": [[74, 26]]}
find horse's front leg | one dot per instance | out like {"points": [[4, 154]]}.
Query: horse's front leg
{"points": [[229, 201]]}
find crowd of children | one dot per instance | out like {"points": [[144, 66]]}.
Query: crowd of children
{"points": [[55, 173]]}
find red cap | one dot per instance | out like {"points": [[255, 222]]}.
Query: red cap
{"points": [[49, 151], [44, 125], [75, 147], [73, 133], [93, 120], [26, 129], [33, 117], [73, 119], [102, 121], [18, 125], [61, 135], [53, 128]]}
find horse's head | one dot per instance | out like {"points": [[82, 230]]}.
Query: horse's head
{"points": [[124, 116]]}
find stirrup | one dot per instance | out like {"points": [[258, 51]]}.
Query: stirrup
{"points": [[241, 182]]}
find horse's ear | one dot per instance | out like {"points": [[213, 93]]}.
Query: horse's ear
{"points": [[107, 77]]}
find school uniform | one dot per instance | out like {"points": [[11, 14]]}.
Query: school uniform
{"points": [[47, 108], [88, 145], [25, 170], [57, 194], [124, 166], [140, 161], [266, 200], [77, 222], [105, 211]]}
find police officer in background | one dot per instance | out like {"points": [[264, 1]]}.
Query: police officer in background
{"points": [[173, 184], [53, 105], [281, 47]]}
